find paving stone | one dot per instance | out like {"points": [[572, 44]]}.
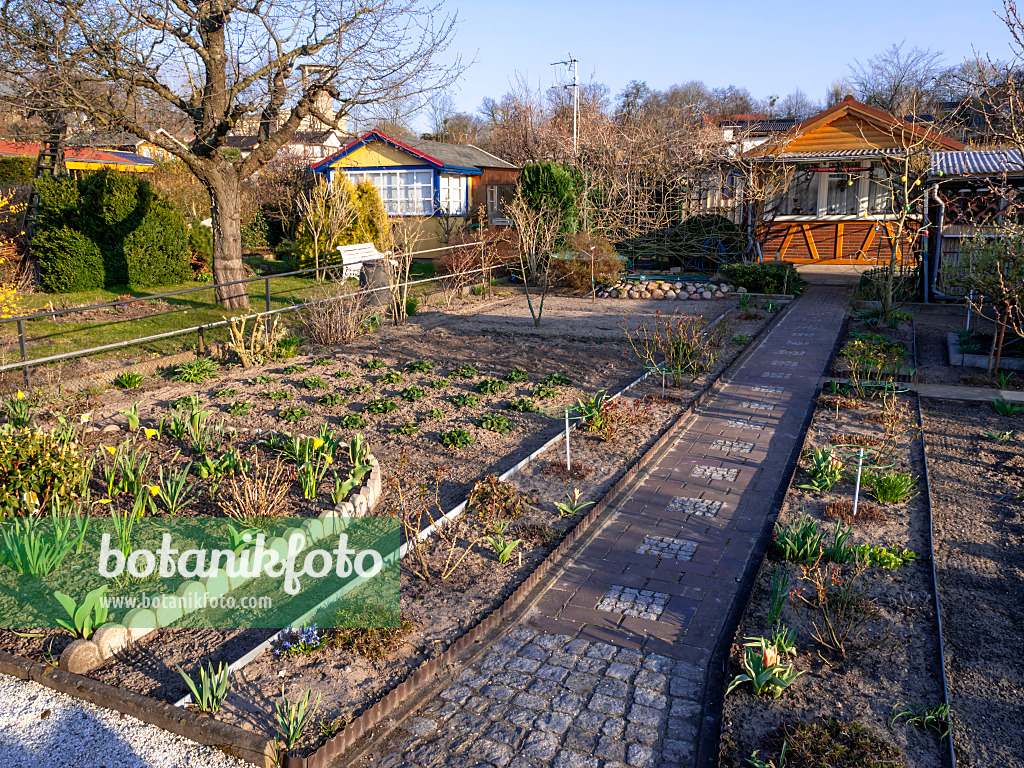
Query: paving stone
{"points": [[491, 752], [667, 548], [519, 664], [467, 721], [508, 733], [553, 722], [607, 705], [694, 506], [776, 375], [522, 633], [456, 693], [476, 704], [594, 666], [589, 721], [649, 698], [639, 756], [523, 762], [508, 645], [566, 702], [602, 651], [610, 749], [497, 692], [532, 651], [529, 701], [517, 680], [615, 688], [542, 688], [495, 712], [493, 661], [576, 647], [652, 718], [562, 659], [619, 671], [715, 473], [540, 745], [732, 446], [580, 740], [613, 727], [522, 717], [756, 426], [654, 681], [657, 663], [640, 733], [551, 641], [567, 758], [427, 754], [676, 752], [581, 683], [631, 602], [769, 389]]}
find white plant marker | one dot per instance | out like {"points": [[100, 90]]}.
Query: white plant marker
{"points": [[856, 488], [568, 464]]}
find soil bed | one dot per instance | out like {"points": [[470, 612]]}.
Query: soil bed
{"points": [[578, 339], [894, 660], [978, 497], [933, 353]]}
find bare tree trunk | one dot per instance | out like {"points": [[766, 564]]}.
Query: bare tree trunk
{"points": [[226, 210]]}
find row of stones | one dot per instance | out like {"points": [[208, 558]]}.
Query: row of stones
{"points": [[539, 698], [657, 289]]}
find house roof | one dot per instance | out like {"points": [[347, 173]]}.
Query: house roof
{"points": [[444, 157], [976, 162], [882, 122], [249, 142], [84, 158], [840, 154], [108, 139]]}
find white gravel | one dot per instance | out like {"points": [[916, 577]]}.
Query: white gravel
{"points": [[41, 728]]}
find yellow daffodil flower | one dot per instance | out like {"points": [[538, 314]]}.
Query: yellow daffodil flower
{"points": [[104, 501], [153, 489], [317, 443], [19, 395], [151, 433], [111, 450]]}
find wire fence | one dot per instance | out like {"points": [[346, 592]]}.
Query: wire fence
{"points": [[25, 363]]}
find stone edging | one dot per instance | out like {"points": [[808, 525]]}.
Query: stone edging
{"points": [[400, 696], [83, 656]]}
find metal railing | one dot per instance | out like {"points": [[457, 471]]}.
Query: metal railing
{"points": [[25, 363]]}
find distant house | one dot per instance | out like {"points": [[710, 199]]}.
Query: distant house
{"points": [[120, 142], [83, 158], [417, 177], [838, 203], [311, 145], [752, 130]]}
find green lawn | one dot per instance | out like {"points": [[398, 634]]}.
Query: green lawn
{"points": [[48, 337], [53, 336]]}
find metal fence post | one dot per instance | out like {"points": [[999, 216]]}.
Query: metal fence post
{"points": [[24, 353], [266, 293]]}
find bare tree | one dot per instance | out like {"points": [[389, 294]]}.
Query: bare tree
{"points": [[538, 227], [798, 106], [407, 232], [327, 211], [219, 63], [899, 79]]}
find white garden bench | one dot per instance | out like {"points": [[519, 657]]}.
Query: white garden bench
{"points": [[354, 256]]}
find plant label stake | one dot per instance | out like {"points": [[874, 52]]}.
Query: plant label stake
{"points": [[856, 488], [662, 383], [568, 465]]}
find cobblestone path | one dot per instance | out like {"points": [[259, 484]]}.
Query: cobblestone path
{"points": [[608, 669]]}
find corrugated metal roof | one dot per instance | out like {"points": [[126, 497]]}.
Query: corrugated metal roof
{"points": [[833, 154], [976, 162]]}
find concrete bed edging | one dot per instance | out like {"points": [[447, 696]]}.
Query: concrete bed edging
{"points": [[422, 677]]}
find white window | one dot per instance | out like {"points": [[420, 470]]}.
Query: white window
{"points": [[801, 199], [843, 194], [452, 194], [405, 193], [879, 191], [492, 201]]}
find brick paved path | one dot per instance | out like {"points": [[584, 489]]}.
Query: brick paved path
{"points": [[608, 669]]}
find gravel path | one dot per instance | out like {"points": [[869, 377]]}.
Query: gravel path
{"points": [[41, 728]]}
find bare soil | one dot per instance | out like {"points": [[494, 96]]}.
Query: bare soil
{"points": [[978, 497], [894, 662], [577, 338], [933, 353]]}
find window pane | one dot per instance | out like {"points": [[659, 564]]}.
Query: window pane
{"points": [[879, 194], [802, 197]]}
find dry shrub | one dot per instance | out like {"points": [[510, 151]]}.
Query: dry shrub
{"points": [[578, 471], [574, 272], [838, 401], [866, 512], [254, 498], [337, 316], [850, 438]]}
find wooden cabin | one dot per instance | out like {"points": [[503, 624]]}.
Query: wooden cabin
{"points": [[427, 179], [838, 202]]}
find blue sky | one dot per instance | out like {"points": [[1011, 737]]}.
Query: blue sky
{"points": [[767, 47]]}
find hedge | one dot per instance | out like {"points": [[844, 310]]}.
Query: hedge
{"points": [[68, 260], [141, 238], [763, 277], [17, 170]]}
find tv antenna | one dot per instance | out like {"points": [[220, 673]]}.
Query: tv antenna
{"points": [[574, 63]]}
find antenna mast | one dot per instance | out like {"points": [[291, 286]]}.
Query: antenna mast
{"points": [[574, 63]]}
